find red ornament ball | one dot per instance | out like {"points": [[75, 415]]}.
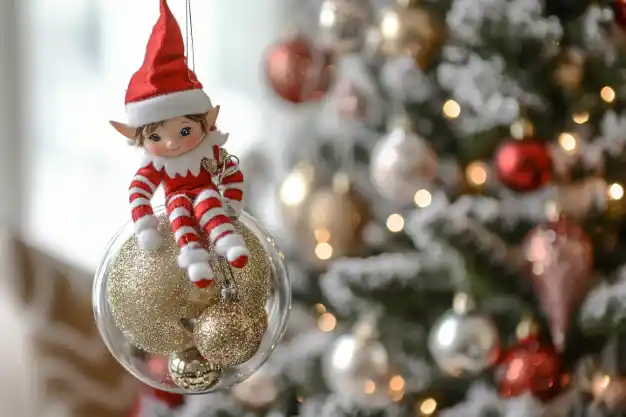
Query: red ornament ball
{"points": [[523, 165], [530, 367], [299, 71], [619, 13]]}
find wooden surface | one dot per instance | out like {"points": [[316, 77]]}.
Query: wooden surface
{"points": [[55, 364]]}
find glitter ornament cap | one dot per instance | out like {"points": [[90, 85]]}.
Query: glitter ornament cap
{"points": [[147, 310]]}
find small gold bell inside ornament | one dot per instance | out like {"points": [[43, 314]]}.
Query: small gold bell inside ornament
{"points": [[149, 313]]}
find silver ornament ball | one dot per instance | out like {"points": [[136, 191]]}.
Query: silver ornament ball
{"points": [[402, 163], [464, 344], [357, 368]]}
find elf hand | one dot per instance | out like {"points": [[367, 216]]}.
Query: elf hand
{"points": [[148, 236]]}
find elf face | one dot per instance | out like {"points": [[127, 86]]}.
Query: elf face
{"points": [[174, 137]]}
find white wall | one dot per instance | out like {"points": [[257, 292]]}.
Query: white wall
{"points": [[9, 122]]}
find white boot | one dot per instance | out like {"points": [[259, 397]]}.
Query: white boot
{"points": [[233, 248], [191, 254], [200, 274]]}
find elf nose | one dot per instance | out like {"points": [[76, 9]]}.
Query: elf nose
{"points": [[171, 144]]}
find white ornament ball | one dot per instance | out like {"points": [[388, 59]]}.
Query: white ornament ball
{"points": [[357, 369], [464, 344], [402, 163], [261, 390]]}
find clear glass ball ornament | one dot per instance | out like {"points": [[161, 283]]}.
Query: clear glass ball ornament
{"points": [[165, 331]]}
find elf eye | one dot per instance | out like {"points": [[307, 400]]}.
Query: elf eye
{"points": [[185, 131], [154, 137]]}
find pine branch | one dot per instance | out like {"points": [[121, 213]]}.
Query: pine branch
{"points": [[396, 281], [335, 406], [604, 309], [483, 401]]}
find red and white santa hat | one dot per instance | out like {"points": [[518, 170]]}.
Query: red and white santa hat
{"points": [[164, 87]]}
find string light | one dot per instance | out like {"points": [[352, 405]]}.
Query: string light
{"points": [[294, 189], [616, 192], [423, 198], [476, 173], [451, 109], [522, 129], [607, 94], [390, 25], [341, 183], [327, 322], [323, 251], [581, 118], [369, 387], [568, 142], [396, 383], [322, 235], [321, 308], [328, 16], [428, 406], [395, 223]]}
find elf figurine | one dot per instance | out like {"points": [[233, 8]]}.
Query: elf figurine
{"points": [[173, 120]]}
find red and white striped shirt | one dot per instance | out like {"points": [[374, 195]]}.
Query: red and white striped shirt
{"points": [[181, 175]]}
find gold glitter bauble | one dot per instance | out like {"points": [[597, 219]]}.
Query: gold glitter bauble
{"points": [[151, 296], [229, 334], [191, 372], [253, 281], [412, 30]]}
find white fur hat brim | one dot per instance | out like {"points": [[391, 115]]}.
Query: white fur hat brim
{"points": [[168, 106]]}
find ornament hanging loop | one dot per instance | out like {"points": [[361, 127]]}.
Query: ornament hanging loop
{"points": [[228, 292], [463, 303], [226, 170], [189, 43]]}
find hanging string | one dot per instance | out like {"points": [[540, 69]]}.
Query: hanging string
{"points": [[189, 42]]}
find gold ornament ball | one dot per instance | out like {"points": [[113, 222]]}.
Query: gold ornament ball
{"points": [[229, 334], [570, 69], [253, 281], [191, 372], [337, 218], [151, 297], [411, 30]]}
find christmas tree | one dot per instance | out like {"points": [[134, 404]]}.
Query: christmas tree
{"points": [[452, 214]]}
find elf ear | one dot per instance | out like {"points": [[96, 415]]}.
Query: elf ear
{"points": [[211, 117], [124, 129]]}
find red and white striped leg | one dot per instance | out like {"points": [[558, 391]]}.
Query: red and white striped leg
{"points": [[192, 256], [222, 234]]}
